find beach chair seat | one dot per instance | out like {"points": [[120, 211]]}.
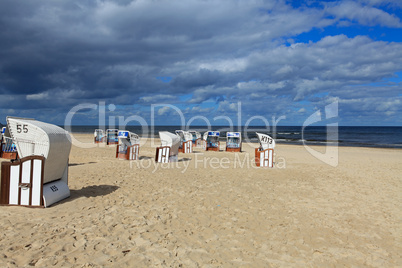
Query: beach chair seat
{"points": [[112, 136], [233, 142], [212, 142]]}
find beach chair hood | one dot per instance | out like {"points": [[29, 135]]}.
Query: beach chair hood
{"points": [[33, 137], [195, 134], [266, 141], [171, 140], [98, 133], [236, 135], [128, 138], [184, 135]]}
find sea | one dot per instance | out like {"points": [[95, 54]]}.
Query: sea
{"points": [[354, 136]]}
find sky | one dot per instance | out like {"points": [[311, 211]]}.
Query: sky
{"points": [[162, 62]]}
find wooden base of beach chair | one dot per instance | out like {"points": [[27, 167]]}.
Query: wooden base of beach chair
{"points": [[112, 142], [216, 149], [8, 155], [264, 158], [99, 141], [22, 184], [163, 155], [187, 147], [197, 143], [131, 153], [236, 150]]}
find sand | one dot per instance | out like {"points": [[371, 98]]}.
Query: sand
{"points": [[215, 209]]}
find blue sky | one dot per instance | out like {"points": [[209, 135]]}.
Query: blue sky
{"points": [[270, 59]]}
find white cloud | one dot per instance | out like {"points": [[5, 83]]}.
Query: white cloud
{"points": [[38, 96], [163, 110], [159, 98], [364, 15]]}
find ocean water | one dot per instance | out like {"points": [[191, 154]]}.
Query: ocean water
{"points": [[382, 137]]}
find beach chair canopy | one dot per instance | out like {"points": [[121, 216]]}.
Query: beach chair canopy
{"points": [[184, 135], [233, 139], [266, 141], [112, 135], [99, 133], [205, 136], [196, 135], [112, 132], [128, 138], [213, 135], [33, 137], [171, 140]]}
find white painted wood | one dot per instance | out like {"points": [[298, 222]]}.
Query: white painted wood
{"points": [[188, 146], [36, 182], [54, 192], [267, 158], [14, 181], [26, 178], [133, 152]]}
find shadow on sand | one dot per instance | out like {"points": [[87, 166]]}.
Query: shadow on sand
{"points": [[144, 158], [92, 191], [79, 164]]}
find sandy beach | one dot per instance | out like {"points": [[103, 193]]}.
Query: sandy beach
{"points": [[215, 209]]}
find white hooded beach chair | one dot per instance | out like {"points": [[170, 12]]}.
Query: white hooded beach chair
{"points": [[211, 141], [8, 150], [196, 138], [264, 155], [186, 141], [233, 142], [169, 149], [129, 146], [40, 177], [112, 136], [99, 136]]}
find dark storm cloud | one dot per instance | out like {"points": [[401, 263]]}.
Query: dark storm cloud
{"points": [[57, 54]]}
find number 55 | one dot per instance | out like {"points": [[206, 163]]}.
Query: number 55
{"points": [[23, 128]]}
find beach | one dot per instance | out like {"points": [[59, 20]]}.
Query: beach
{"points": [[215, 209]]}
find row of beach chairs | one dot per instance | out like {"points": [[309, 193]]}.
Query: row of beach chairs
{"points": [[183, 142], [37, 175]]}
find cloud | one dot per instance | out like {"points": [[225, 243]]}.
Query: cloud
{"points": [[163, 110], [159, 98], [57, 54], [364, 15]]}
